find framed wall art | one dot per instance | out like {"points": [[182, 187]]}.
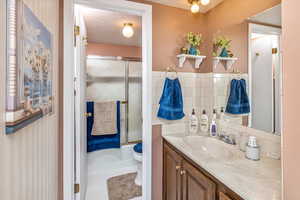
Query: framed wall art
{"points": [[29, 94]]}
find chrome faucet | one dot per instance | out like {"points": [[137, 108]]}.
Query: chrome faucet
{"points": [[229, 139]]}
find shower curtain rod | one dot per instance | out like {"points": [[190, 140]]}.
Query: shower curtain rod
{"points": [[133, 59]]}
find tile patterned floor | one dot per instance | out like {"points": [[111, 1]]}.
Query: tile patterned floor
{"points": [[105, 164]]}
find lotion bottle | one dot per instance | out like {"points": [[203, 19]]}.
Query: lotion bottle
{"points": [[213, 125], [204, 122], [193, 125], [213, 129]]}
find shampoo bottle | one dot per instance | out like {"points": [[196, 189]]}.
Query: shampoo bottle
{"points": [[193, 126], [204, 122]]}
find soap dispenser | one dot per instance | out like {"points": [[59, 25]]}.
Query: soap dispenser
{"points": [[193, 125], [204, 124]]}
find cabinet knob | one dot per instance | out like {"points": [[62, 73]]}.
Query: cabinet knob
{"points": [[182, 172], [178, 167]]}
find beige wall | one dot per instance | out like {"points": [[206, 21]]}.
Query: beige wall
{"points": [[101, 49], [291, 99], [170, 26], [228, 19], [29, 158]]}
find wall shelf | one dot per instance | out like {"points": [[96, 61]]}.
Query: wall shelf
{"points": [[227, 60], [183, 57]]}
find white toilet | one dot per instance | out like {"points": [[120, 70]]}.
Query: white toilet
{"points": [[138, 156]]}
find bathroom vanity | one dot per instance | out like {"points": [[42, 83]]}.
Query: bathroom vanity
{"points": [[203, 168]]}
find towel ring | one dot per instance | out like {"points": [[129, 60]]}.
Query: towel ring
{"points": [[171, 69]]}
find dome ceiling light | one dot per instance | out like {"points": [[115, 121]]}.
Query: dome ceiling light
{"points": [[195, 4], [128, 30]]}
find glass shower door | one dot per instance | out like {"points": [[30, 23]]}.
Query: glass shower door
{"points": [[134, 101], [106, 82]]}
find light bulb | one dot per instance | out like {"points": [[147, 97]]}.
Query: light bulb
{"points": [[205, 2], [195, 7], [128, 30]]}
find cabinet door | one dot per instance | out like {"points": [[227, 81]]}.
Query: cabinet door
{"points": [[195, 185], [172, 178]]}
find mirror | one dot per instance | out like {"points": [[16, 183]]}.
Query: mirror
{"points": [[255, 46]]}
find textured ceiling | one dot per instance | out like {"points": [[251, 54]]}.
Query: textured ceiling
{"points": [[106, 27], [185, 5]]}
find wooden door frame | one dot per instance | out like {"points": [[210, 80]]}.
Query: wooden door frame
{"points": [[145, 11]]}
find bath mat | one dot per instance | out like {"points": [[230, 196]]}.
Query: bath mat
{"points": [[123, 187]]}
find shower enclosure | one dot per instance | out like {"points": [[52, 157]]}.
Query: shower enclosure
{"points": [[118, 79]]}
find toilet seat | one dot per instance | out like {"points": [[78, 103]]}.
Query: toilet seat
{"points": [[138, 156]]}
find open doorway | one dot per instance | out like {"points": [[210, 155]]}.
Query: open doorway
{"points": [[112, 101], [108, 74]]}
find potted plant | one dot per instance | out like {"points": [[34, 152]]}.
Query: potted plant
{"points": [[194, 40], [221, 42]]}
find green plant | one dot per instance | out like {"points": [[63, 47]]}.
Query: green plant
{"points": [[194, 39], [221, 42]]}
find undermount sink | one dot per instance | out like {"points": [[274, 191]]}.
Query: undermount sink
{"points": [[211, 147]]}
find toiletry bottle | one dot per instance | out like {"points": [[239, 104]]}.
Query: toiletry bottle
{"points": [[204, 122], [193, 126], [220, 121], [213, 129], [252, 149], [222, 117], [214, 117]]}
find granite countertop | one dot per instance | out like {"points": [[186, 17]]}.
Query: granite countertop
{"points": [[251, 180]]}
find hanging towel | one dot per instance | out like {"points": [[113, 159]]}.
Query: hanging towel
{"points": [[105, 118], [95, 143], [238, 102], [171, 103]]}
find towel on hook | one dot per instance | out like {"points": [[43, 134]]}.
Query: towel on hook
{"points": [[171, 103], [238, 102], [105, 118]]}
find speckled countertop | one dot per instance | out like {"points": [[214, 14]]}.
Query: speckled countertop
{"points": [[251, 180]]}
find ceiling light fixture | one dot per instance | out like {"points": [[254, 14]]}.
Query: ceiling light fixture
{"points": [[195, 7], [128, 30], [205, 2], [195, 4]]}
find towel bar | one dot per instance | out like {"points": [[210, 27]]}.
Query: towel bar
{"points": [[88, 114]]}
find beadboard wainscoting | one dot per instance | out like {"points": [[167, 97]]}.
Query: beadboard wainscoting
{"points": [[29, 157]]}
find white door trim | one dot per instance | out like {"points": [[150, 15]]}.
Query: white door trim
{"points": [[68, 102], [145, 11]]}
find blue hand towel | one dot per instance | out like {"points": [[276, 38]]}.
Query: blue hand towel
{"points": [[171, 103], [238, 102]]}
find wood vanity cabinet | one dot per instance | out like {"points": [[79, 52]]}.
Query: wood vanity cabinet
{"points": [[183, 180]]}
